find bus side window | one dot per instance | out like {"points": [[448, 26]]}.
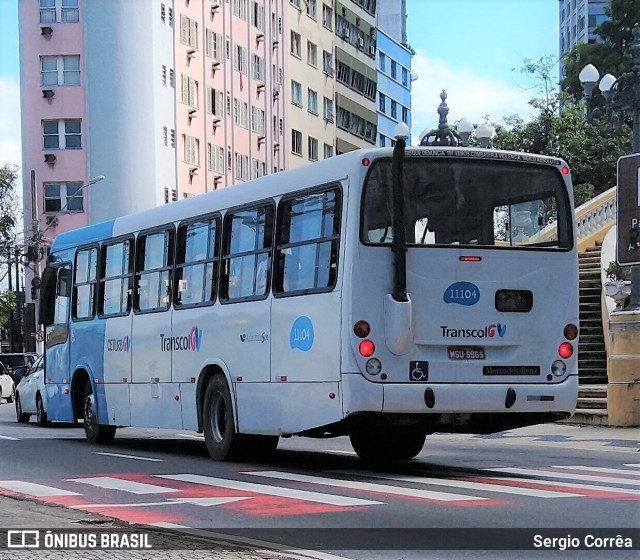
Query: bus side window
{"points": [[248, 238], [196, 262], [116, 276], [84, 289], [307, 245], [154, 259]]}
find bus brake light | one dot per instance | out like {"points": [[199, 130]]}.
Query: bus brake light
{"points": [[367, 348], [565, 350], [565, 170]]}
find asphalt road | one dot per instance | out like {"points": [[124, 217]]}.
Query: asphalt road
{"points": [[461, 492]]}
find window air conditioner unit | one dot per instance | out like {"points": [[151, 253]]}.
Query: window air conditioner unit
{"points": [[48, 93], [372, 49], [361, 42], [51, 221], [346, 30], [49, 158], [46, 31]]}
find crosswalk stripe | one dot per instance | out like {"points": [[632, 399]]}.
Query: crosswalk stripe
{"points": [[598, 469], [468, 485], [604, 490], [33, 489], [569, 476], [270, 490], [111, 483], [171, 502], [367, 486]]}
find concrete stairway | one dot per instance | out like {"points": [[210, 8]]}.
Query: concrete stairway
{"points": [[592, 356]]}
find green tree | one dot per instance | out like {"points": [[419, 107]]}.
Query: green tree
{"points": [[8, 222]]}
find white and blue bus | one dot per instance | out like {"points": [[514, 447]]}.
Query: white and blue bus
{"points": [[384, 294]]}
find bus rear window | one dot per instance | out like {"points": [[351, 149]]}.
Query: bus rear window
{"points": [[470, 202]]}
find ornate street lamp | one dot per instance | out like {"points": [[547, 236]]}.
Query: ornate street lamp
{"points": [[445, 136], [622, 97]]}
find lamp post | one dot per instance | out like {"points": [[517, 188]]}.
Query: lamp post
{"points": [[445, 136], [622, 97]]}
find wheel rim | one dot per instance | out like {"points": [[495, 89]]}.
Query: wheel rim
{"points": [[218, 417]]}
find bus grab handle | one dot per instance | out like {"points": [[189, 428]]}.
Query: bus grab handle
{"points": [[398, 324]]}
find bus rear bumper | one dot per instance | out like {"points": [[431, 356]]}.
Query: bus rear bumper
{"points": [[360, 395]]}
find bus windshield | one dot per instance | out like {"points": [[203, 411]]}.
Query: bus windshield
{"points": [[467, 201]]}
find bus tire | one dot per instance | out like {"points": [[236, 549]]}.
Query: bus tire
{"points": [[41, 413], [223, 443], [94, 432], [21, 417], [387, 445]]}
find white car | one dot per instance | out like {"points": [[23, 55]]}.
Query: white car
{"points": [[31, 395], [7, 389]]}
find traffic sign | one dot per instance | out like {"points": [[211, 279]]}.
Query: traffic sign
{"points": [[628, 210]]}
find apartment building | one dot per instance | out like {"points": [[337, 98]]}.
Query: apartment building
{"points": [[394, 70], [578, 19], [165, 99]]}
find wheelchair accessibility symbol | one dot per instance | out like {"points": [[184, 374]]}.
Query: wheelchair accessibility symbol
{"points": [[419, 371]]}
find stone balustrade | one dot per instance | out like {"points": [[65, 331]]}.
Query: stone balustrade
{"points": [[596, 213]]}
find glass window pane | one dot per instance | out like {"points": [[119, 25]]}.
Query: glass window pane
{"points": [[50, 127], [72, 126], [244, 231], [197, 242], [116, 260], [155, 247]]}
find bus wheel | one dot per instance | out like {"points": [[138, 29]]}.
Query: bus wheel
{"points": [[387, 445], [94, 432], [223, 443]]}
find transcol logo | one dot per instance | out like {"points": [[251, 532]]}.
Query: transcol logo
{"points": [[191, 341], [118, 344], [486, 332]]}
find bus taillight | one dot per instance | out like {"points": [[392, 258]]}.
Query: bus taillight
{"points": [[361, 329], [570, 332], [367, 348], [565, 170], [565, 350]]}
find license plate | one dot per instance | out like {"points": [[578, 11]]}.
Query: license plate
{"points": [[466, 352]]}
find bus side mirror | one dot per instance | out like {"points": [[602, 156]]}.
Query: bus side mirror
{"points": [[47, 296]]}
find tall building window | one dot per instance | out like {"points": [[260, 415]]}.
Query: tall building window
{"points": [[328, 109], [215, 102], [327, 16], [240, 113], [59, 11], [188, 32], [257, 15], [312, 8], [312, 54], [394, 69], [189, 91], [312, 102], [215, 158], [214, 45], [191, 149], [382, 100], [56, 193], [296, 93], [240, 8], [240, 60], [60, 70], [328, 151], [258, 168], [394, 109], [62, 134], [296, 142], [257, 120], [242, 167], [382, 62], [313, 149], [327, 63], [257, 68], [296, 44]]}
